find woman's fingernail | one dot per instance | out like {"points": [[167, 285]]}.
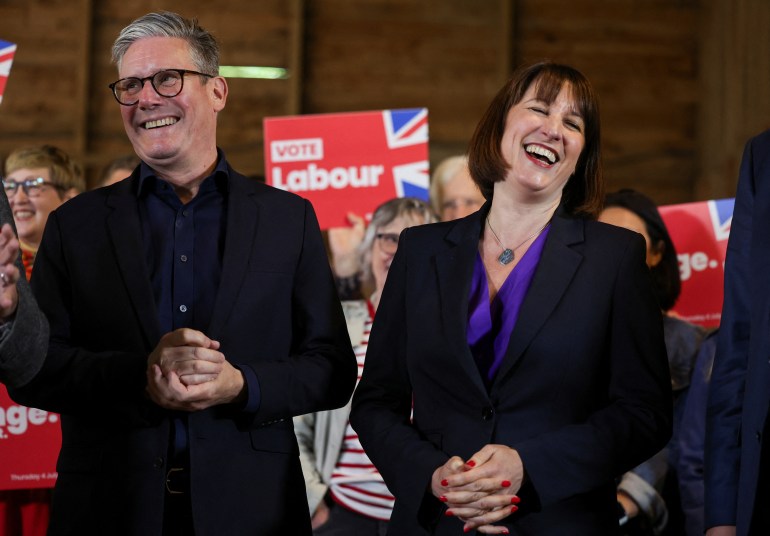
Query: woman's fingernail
{"points": [[445, 482], [467, 529], [442, 499], [514, 508], [505, 531], [449, 513], [471, 463], [506, 483], [515, 499]]}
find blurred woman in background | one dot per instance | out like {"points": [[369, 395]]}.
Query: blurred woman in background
{"points": [[346, 494]]}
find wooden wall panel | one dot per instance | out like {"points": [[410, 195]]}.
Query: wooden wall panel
{"points": [[41, 97], [734, 89], [375, 54], [682, 83], [642, 59]]}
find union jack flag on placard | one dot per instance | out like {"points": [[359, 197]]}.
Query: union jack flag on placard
{"points": [[7, 50], [721, 211], [412, 180], [406, 127]]}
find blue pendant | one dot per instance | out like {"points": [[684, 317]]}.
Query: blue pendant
{"points": [[506, 256]]}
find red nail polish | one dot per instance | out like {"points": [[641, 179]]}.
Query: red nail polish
{"points": [[514, 508], [449, 513], [471, 463], [467, 529], [505, 531], [506, 483], [515, 499], [442, 499], [445, 482]]}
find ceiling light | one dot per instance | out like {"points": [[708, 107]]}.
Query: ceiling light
{"points": [[243, 71]]}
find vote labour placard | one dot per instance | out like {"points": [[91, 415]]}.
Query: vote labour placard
{"points": [[700, 232], [349, 162], [29, 445]]}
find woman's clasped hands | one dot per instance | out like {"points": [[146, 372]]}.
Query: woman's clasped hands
{"points": [[482, 490]]}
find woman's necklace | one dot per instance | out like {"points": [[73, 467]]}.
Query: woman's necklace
{"points": [[507, 256]]}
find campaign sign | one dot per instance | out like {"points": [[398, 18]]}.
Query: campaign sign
{"points": [[7, 51], [700, 232], [349, 162], [30, 440]]}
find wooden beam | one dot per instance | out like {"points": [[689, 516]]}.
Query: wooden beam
{"points": [[82, 97], [507, 39], [296, 57], [735, 80]]}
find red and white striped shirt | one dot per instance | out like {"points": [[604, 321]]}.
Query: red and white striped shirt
{"points": [[356, 483]]}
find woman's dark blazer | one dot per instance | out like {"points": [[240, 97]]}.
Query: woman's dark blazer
{"points": [[583, 393]]}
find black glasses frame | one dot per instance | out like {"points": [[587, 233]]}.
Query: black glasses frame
{"points": [[26, 184], [388, 241], [151, 78]]}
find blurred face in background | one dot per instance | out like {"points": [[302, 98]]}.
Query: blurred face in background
{"points": [[460, 196], [31, 209], [622, 217], [385, 246]]}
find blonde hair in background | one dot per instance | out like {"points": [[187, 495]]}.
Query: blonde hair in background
{"points": [[446, 170], [65, 171]]}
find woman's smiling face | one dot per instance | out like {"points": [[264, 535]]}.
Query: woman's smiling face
{"points": [[542, 143]]}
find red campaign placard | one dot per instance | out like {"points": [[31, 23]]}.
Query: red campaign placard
{"points": [[349, 162], [700, 232], [30, 440]]}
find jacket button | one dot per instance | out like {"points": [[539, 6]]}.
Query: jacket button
{"points": [[487, 413], [157, 463]]}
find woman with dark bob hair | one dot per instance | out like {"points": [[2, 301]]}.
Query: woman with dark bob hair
{"points": [[516, 366]]}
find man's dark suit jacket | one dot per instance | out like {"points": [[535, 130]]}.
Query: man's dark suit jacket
{"points": [[739, 392], [23, 347], [276, 311], [583, 393]]}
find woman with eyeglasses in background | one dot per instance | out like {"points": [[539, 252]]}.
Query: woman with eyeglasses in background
{"points": [[37, 180], [346, 494]]}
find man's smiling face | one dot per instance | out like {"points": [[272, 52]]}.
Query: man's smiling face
{"points": [[169, 132]]}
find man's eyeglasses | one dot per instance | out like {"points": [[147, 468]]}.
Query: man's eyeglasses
{"points": [[167, 83], [388, 242], [32, 187]]}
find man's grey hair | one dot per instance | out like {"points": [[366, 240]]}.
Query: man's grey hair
{"points": [[204, 49]]}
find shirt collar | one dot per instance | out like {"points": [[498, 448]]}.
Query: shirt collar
{"points": [[218, 180]]}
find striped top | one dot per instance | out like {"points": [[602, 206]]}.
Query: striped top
{"points": [[356, 483]]}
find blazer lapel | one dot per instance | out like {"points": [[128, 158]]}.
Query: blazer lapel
{"points": [[454, 267], [242, 218], [557, 267], [124, 228]]}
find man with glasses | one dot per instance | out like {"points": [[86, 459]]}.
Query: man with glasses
{"points": [[193, 314]]}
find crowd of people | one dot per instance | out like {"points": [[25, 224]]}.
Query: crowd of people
{"points": [[519, 370]]}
